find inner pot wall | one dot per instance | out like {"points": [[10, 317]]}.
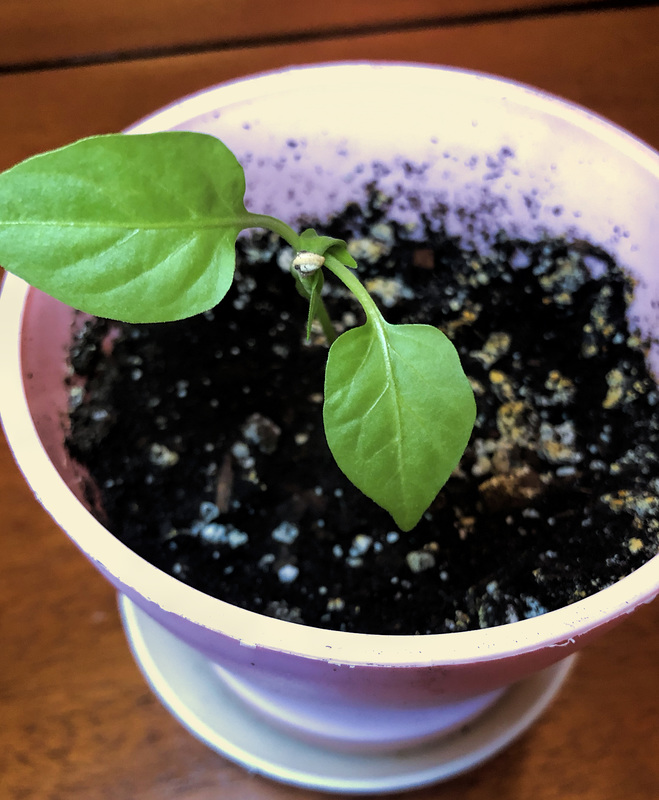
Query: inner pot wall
{"points": [[513, 158]]}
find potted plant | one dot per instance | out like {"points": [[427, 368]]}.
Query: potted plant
{"points": [[337, 710]]}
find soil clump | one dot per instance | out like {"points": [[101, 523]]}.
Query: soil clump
{"points": [[204, 438]]}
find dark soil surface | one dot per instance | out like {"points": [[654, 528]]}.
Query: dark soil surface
{"points": [[205, 439]]}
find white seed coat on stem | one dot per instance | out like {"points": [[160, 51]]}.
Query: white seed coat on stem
{"points": [[307, 263]]}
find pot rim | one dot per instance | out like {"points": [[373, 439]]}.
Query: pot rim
{"points": [[553, 629]]}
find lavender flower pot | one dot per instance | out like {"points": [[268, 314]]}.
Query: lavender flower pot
{"points": [[331, 710]]}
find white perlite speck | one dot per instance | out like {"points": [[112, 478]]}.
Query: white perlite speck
{"points": [[240, 451], [213, 533], [288, 573], [285, 532], [420, 560], [208, 511], [162, 456], [336, 604], [237, 538], [360, 544]]}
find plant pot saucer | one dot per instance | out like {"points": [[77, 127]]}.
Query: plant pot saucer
{"points": [[187, 684]]}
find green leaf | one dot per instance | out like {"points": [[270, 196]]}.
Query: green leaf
{"points": [[398, 413], [339, 250], [140, 228], [326, 245]]}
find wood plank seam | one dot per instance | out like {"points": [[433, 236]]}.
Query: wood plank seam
{"points": [[325, 34]]}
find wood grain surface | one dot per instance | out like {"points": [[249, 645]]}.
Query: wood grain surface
{"points": [[77, 721], [50, 30]]}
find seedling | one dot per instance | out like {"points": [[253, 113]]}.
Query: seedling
{"points": [[143, 229]]}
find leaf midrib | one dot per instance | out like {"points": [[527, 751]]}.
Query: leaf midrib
{"points": [[390, 384], [236, 222]]}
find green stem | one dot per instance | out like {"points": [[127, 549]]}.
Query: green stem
{"points": [[276, 226], [325, 322], [349, 279], [292, 238]]}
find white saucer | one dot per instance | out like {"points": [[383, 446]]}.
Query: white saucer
{"points": [[186, 684]]}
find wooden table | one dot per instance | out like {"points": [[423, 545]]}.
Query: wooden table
{"points": [[77, 721]]}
